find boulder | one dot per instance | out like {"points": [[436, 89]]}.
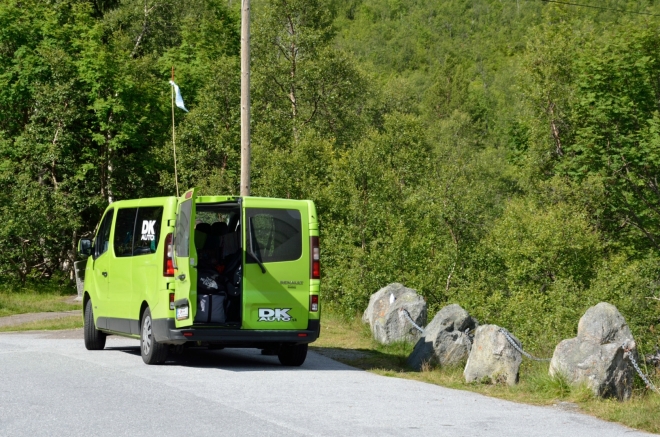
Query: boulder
{"points": [[654, 359], [387, 323], [597, 356], [445, 341], [492, 358]]}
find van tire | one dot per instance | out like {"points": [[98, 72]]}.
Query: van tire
{"points": [[94, 339], [152, 351], [292, 354]]}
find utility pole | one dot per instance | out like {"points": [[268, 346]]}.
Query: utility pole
{"points": [[245, 98]]}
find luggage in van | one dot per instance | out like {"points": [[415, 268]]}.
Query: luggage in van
{"points": [[210, 308], [208, 282], [234, 284]]}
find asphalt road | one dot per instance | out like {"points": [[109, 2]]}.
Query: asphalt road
{"points": [[51, 386]]}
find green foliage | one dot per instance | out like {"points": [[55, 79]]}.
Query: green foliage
{"points": [[629, 284], [537, 246], [85, 108], [532, 274], [615, 121], [300, 80], [373, 207]]}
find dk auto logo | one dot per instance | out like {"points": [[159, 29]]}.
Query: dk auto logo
{"points": [[275, 315]]}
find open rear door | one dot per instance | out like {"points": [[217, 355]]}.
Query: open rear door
{"points": [[185, 255], [276, 279]]}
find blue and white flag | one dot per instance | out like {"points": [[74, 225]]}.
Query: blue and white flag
{"points": [[178, 99]]}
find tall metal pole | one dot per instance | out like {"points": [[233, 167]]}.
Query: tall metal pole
{"points": [[245, 98]]}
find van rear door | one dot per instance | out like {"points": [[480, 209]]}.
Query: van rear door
{"points": [[185, 256], [276, 283]]}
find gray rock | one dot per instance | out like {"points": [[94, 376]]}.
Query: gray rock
{"points": [[445, 341], [596, 357], [387, 324], [492, 357], [654, 359]]}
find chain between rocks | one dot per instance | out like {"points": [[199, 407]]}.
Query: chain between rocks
{"points": [[519, 348], [507, 335], [646, 380], [406, 314]]}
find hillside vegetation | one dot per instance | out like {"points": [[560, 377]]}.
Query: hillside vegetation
{"points": [[503, 155]]}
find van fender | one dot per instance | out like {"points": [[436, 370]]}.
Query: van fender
{"points": [[84, 302], [143, 307], [87, 296]]}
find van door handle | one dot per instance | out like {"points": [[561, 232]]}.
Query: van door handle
{"points": [[105, 274], [181, 277]]}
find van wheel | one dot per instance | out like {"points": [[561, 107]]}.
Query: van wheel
{"points": [[292, 354], [94, 339], [152, 351]]}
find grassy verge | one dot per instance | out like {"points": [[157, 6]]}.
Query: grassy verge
{"points": [[36, 301], [71, 322], [350, 342]]}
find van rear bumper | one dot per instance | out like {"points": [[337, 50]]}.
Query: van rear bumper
{"points": [[166, 332]]}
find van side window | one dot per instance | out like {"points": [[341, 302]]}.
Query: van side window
{"points": [[274, 234], [102, 240], [124, 230], [182, 235], [147, 230]]}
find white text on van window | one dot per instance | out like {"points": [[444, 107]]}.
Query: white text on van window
{"points": [[148, 233]]}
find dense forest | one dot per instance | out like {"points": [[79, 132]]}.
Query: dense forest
{"points": [[499, 154]]}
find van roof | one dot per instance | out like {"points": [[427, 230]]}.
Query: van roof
{"points": [[152, 201], [146, 201]]}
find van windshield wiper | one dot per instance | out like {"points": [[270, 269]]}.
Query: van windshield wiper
{"points": [[250, 250], [254, 257]]}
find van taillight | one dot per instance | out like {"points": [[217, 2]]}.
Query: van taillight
{"points": [[314, 303], [168, 263], [316, 258]]}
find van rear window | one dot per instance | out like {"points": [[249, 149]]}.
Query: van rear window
{"points": [[124, 228], [274, 234], [147, 230], [182, 234], [137, 231]]}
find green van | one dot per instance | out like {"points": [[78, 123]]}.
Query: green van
{"points": [[219, 271]]}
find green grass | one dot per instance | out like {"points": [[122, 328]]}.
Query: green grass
{"points": [[350, 342], [36, 299], [71, 322]]}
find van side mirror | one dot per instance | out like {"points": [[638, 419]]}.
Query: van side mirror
{"points": [[84, 247]]}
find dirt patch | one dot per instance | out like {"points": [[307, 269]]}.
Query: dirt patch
{"points": [[62, 334], [567, 406], [342, 355], [20, 319], [73, 300]]}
